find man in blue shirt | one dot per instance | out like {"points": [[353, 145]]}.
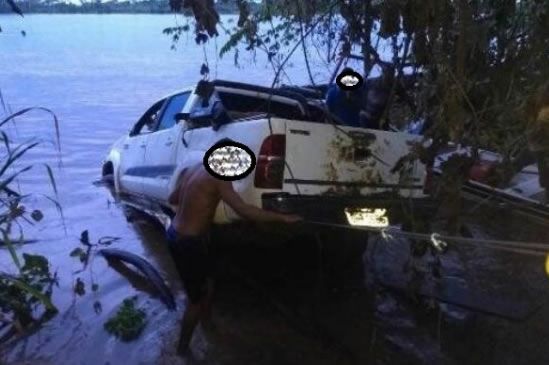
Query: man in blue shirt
{"points": [[345, 104]]}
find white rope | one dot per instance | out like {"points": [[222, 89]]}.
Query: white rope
{"points": [[437, 243], [440, 242], [386, 236]]}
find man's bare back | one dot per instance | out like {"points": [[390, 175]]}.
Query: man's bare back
{"points": [[197, 195], [196, 198]]}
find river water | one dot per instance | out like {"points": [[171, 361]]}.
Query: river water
{"points": [[98, 73]]}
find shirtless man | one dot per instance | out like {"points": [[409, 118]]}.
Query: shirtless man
{"points": [[196, 195]]}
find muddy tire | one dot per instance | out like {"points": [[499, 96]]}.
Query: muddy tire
{"points": [[108, 173], [109, 179]]}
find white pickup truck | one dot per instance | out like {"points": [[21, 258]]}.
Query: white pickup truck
{"points": [[306, 162]]}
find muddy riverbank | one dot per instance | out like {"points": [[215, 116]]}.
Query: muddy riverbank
{"points": [[318, 298]]}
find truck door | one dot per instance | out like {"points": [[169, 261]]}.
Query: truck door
{"points": [[133, 151], [160, 156]]}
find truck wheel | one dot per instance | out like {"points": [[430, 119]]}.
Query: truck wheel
{"points": [[108, 173]]}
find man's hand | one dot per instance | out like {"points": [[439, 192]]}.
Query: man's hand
{"points": [[247, 211], [291, 218]]}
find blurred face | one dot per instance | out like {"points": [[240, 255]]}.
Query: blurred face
{"points": [[350, 80]]}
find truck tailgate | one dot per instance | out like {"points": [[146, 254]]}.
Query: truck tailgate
{"points": [[323, 159]]}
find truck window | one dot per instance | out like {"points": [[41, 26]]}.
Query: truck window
{"points": [[238, 106], [243, 106], [174, 105], [146, 123]]}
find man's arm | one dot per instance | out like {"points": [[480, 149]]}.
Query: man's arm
{"points": [[173, 199], [247, 211]]}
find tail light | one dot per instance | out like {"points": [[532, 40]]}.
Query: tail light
{"points": [[428, 184], [269, 171], [482, 171]]}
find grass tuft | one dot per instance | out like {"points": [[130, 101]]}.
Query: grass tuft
{"points": [[129, 321]]}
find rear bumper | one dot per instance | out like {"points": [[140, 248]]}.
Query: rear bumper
{"points": [[332, 208]]}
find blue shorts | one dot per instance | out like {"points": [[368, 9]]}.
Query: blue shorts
{"points": [[193, 262]]}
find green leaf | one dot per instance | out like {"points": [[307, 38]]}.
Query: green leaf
{"points": [[16, 154], [129, 321], [83, 257], [29, 289], [6, 140], [97, 307], [52, 179], [107, 240], [59, 209], [77, 252], [204, 69], [80, 253], [4, 184], [11, 249], [79, 287], [14, 7], [37, 215], [85, 238], [35, 264], [26, 110], [232, 42]]}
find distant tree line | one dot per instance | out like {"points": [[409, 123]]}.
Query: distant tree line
{"points": [[104, 7]]}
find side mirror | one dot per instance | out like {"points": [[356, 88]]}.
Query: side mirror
{"points": [[200, 118], [216, 116]]}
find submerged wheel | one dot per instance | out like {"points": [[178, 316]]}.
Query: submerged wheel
{"points": [[108, 173]]}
